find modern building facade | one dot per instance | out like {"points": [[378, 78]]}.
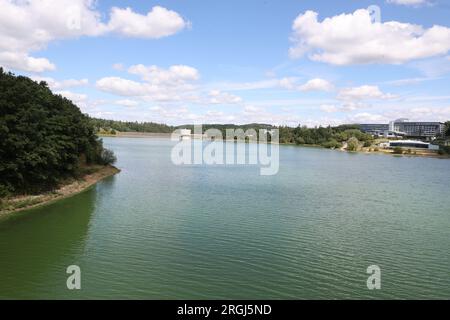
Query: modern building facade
{"points": [[373, 128], [419, 129], [409, 144], [403, 127]]}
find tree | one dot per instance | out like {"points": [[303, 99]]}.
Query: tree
{"points": [[447, 129], [44, 137], [352, 144], [107, 157]]}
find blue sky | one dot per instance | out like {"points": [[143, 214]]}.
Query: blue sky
{"points": [[281, 62]]}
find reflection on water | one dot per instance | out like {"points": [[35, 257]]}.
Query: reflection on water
{"points": [[162, 231], [36, 245]]}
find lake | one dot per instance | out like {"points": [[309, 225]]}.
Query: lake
{"points": [[161, 231]]}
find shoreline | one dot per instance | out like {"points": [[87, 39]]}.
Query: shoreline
{"points": [[363, 150], [26, 202]]}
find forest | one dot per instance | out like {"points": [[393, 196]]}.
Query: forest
{"points": [[44, 137]]}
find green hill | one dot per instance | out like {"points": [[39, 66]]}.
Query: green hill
{"points": [[44, 138]]}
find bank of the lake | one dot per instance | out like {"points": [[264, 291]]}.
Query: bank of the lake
{"points": [[366, 150], [67, 189]]}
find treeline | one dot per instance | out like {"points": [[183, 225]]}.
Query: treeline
{"points": [[111, 126], [44, 137], [328, 137], [114, 126], [223, 127]]}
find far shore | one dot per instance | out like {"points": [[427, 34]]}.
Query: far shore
{"points": [[364, 150], [69, 189]]}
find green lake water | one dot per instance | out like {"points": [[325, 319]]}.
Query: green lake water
{"points": [[160, 231]]}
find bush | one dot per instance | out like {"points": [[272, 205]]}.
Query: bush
{"points": [[107, 157], [444, 150], [352, 144], [332, 144], [299, 140], [398, 150], [4, 191], [367, 144]]}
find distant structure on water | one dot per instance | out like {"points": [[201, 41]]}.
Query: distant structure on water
{"points": [[405, 128]]}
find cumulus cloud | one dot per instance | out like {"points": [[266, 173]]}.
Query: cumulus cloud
{"points": [[219, 97], [176, 74], [157, 84], [77, 98], [329, 108], [408, 2], [123, 87], [366, 117], [118, 66], [127, 103], [159, 22], [354, 39], [63, 84], [362, 93], [345, 107], [29, 26], [316, 85]]}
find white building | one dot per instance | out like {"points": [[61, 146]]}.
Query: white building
{"points": [[410, 144]]}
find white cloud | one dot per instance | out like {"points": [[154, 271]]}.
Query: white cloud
{"points": [[365, 117], [288, 83], [176, 74], [363, 93], [21, 61], [159, 22], [219, 97], [408, 2], [329, 108], [118, 66], [249, 109], [345, 107], [255, 85], [316, 85], [409, 81], [180, 114], [29, 26], [123, 87], [63, 84], [353, 39], [127, 103], [157, 84], [77, 98]]}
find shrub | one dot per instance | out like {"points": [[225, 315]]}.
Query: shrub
{"points": [[352, 144], [107, 157], [398, 150], [4, 191], [332, 144]]}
